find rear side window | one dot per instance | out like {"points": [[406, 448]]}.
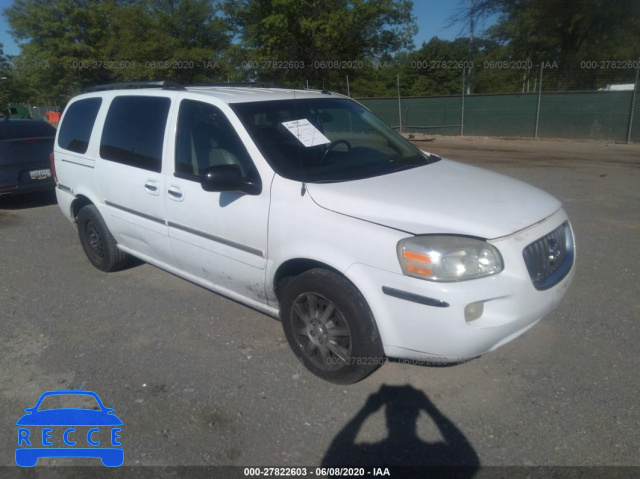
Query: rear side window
{"points": [[133, 132], [76, 128]]}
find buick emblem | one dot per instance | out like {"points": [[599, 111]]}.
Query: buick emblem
{"points": [[553, 252]]}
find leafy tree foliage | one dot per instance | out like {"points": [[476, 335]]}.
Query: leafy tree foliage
{"points": [[70, 44], [361, 47], [7, 82], [168, 39], [567, 32], [437, 67], [311, 41], [54, 35]]}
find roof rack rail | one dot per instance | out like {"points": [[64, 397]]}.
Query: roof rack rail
{"points": [[238, 84], [165, 85]]}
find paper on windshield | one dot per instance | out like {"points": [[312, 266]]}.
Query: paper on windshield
{"points": [[306, 133]]}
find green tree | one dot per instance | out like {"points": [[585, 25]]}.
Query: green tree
{"points": [[437, 67], [59, 39], [498, 70], [68, 45], [563, 31], [56, 37], [6, 82], [302, 41], [183, 40]]}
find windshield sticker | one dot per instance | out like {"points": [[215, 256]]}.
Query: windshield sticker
{"points": [[306, 133]]}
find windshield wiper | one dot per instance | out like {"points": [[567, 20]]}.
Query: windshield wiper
{"points": [[405, 167], [327, 181]]}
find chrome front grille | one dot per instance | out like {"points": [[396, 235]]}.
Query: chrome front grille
{"points": [[550, 258]]}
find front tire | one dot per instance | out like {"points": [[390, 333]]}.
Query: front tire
{"points": [[97, 241], [330, 327]]}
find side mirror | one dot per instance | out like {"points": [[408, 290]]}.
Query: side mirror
{"points": [[228, 178]]}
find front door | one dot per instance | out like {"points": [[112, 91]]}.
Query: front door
{"points": [[218, 237]]}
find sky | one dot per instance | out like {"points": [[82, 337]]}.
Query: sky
{"points": [[432, 17]]}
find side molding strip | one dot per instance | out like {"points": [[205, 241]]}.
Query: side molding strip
{"points": [[217, 239], [233, 244], [134, 212], [415, 298]]}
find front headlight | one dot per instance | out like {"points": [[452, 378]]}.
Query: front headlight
{"points": [[448, 258]]}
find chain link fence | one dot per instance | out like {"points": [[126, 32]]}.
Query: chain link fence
{"points": [[590, 100], [587, 102]]}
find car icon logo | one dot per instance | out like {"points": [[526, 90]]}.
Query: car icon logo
{"points": [[87, 430]]}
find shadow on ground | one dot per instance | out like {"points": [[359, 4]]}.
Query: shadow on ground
{"points": [[403, 447], [26, 201]]}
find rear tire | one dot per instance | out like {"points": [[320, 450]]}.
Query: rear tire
{"points": [[330, 327], [97, 241]]}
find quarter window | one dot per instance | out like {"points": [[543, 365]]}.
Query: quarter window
{"points": [[133, 132], [76, 128]]}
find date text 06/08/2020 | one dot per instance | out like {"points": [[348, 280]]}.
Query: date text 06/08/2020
{"points": [[318, 471]]}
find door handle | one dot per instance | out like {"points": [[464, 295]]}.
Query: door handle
{"points": [[152, 187], [175, 193]]}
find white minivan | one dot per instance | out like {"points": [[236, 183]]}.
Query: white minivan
{"points": [[307, 207]]}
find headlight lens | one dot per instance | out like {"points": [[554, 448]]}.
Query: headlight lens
{"points": [[448, 258]]}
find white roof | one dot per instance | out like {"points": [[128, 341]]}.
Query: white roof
{"points": [[232, 94], [225, 94]]}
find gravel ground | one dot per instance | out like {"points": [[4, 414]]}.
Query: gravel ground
{"points": [[200, 380]]}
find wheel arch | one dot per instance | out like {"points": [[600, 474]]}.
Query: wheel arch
{"points": [[295, 267], [318, 282], [80, 202]]}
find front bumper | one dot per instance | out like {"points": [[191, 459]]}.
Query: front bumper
{"points": [[425, 321]]}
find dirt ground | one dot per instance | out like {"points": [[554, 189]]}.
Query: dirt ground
{"points": [[529, 152], [200, 380]]}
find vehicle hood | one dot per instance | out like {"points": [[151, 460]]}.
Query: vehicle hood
{"points": [[443, 197]]}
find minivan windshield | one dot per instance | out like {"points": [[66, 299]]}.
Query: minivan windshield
{"points": [[326, 140]]}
